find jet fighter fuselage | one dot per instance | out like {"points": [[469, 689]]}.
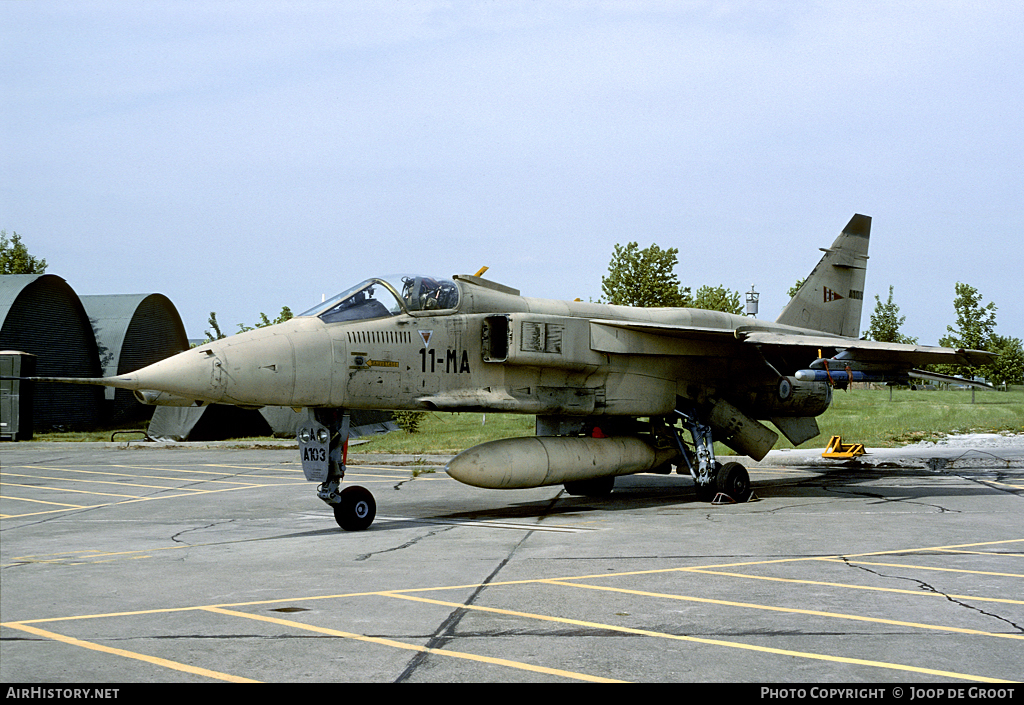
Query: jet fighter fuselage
{"points": [[497, 352]]}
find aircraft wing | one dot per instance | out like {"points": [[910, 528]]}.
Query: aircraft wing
{"points": [[619, 336], [872, 351], [831, 358]]}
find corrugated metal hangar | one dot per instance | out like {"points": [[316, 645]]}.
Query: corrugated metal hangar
{"points": [[90, 336], [132, 331], [43, 316]]}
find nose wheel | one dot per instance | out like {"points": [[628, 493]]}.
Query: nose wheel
{"points": [[356, 509]]}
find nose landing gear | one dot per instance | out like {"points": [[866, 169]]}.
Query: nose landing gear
{"points": [[323, 447]]}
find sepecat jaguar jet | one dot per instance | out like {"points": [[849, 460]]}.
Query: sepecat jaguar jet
{"points": [[615, 390]]}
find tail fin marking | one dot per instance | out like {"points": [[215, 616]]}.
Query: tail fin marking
{"points": [[832, 296]]}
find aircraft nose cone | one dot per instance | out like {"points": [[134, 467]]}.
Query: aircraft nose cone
{"points": [[288, 364], [193, 374]]}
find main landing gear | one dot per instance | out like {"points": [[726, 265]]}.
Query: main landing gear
{"points": [[323, 447], [715, 482]]}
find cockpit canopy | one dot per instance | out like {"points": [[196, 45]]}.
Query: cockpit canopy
{"points": [[388, 296]]}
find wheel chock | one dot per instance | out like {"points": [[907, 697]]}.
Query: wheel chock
{"points": [[837, 449], [723, 498]]}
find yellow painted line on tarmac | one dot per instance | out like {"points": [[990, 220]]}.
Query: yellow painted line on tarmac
{"points": [[103, 482], [134, 476], [249, 467], [415, 647], [984, 553], [155, 660], [788, 610], [934, 548], [407, 595], [67, 489], [184, 471], [911, 566], [41, 501], [193, 493], [190, 493], [132, 499], [34, 514], [90, 556], [848, 586], [701, 640]]}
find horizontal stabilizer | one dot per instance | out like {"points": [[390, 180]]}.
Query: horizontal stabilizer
{"points": [[946, 379]]}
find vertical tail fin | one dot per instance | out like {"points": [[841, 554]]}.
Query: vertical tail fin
{"points": [[832, 296]]}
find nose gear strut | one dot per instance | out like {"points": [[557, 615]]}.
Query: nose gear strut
{"points": [[323, 447]]}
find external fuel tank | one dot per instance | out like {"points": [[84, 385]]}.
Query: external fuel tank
{"points": [[536, 461]]}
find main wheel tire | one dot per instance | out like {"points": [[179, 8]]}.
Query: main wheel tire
{"points": [[598, 487], [356, 510], [734, 481]]}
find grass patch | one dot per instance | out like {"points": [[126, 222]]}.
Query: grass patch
{"points": [[451, 433], [868, 416]]}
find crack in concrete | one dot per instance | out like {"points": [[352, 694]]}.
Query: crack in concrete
{"points": [[932, 589], [175, 537], [407, 544], [445, 632]]}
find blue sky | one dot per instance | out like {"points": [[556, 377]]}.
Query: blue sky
{"points": [[242, 156]]}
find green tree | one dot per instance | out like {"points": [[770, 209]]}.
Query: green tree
{"points": [[15, 259], [796, 287], [215, 332], [975, 324], [718, 298], [886, 322], [643, 277], [286, 314], [409, 421], [1009, 366]]}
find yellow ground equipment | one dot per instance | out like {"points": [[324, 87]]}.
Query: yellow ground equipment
{"points": [[837, 449]]}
